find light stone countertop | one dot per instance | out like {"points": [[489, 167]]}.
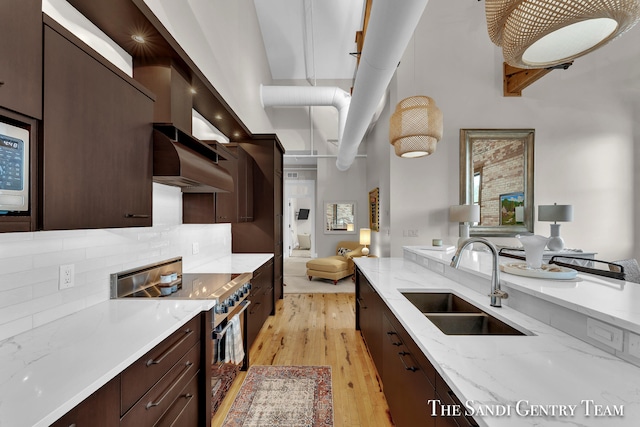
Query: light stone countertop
{"points": [[234, 264], [547, 368], [47, 371]]}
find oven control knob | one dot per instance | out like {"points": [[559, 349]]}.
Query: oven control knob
{"points": [[221, 308], [239, 294], [248, 286], [230, 302]]}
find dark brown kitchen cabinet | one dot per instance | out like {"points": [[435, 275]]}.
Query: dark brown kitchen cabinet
{"points": [[409, 379], [96, 153], [237, 206], [101, 409], [264, 233], [369, 308], [405, 382], [21, 53], [261, 300]]}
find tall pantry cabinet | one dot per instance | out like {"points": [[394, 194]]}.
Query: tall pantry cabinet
{"points": [[264, 233]]}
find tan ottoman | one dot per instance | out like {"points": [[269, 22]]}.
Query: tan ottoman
{"points": [[332, 268]]}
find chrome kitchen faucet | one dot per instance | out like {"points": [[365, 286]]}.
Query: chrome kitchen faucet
{"points": [[497, 295]]}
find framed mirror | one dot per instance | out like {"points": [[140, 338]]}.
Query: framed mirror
{"points": [[340, 217], [496, 172]]}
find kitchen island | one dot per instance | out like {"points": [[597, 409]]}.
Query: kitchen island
{"points": [[508, 380]]}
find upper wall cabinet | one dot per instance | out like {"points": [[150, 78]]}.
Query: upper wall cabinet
{"points": [[237, 206], [96, 153], [21, 53]]}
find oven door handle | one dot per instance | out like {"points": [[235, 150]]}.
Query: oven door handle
{"points": [[221, 334]]}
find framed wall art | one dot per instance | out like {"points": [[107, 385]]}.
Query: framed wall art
{"points": [[374, 209]]}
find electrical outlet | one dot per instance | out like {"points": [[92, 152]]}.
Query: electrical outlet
{"points": [[66, 276], [195, 248], [413, 233]]}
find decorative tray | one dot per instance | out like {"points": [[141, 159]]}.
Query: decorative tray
{"points": [[443, 248], [547, 271]]}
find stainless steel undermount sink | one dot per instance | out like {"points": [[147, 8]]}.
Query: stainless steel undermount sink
{"points": [[456, 316]]}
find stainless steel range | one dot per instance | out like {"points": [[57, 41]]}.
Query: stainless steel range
{"points": [[230, 294]]}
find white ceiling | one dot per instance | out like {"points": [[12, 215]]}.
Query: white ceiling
{"points": [[310, 39]]}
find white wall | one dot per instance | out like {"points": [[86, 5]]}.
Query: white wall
{"points": [[334, 185], [29, 262], [585, 120], [379, 153]]}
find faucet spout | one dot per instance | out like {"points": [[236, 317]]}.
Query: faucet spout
{"points": [[497, 294]]}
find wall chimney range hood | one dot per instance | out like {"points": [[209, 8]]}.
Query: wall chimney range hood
{"points": [[183, 161]]}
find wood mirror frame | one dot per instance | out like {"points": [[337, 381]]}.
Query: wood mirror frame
{"points": [[337, 214], [506, 209]]}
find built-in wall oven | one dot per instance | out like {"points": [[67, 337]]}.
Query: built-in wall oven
{"points": [[228, 327]]}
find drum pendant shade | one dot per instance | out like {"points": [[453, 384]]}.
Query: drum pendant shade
{"points": [[546, 33], [415, 127]]}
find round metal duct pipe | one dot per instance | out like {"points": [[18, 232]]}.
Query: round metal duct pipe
{"points": [[305, 96], [391, 26]]}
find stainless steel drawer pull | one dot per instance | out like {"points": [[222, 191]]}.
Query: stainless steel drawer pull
{"points": [[170, 349], [187, 365], [130, 215]]}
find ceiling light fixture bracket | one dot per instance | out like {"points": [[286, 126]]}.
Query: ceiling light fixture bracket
{"points": [[515, 80]]}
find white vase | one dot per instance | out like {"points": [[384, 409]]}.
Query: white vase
{"points": [[533, 249]]}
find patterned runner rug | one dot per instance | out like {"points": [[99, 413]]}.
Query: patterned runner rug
{"points": [[292, 396]]}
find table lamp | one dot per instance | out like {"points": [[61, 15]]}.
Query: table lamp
{"points": [[464, 214], [555, 213], [365, 239]]}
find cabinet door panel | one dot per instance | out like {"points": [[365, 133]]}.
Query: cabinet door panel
{"points": [[96, 151], [101, 409], [21, 52], [369, 309], [406, 387]]}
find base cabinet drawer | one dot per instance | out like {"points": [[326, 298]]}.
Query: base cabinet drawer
{"points": [[138, 378], [184, 410], [166, 393]]}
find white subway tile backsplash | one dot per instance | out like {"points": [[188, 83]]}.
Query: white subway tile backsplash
{"points": [[15, 296], [13, 265], [15, 327], [29, 262]]}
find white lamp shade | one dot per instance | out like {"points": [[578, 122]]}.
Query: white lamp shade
{"points": [[349, 227], [464, 213], [563, 213], [365, 236]]}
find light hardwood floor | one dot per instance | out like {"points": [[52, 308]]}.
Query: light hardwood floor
{"points": [[319, 329]]}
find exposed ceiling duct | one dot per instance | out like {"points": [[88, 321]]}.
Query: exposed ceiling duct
{"points": [[305, 96], [391, 26]]}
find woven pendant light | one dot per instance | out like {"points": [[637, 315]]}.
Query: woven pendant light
{"points": [[415, 127], [545, 33]]}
